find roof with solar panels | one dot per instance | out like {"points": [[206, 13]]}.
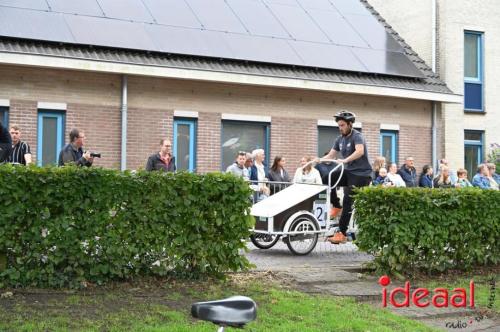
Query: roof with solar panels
{"points": [[342, 41]]}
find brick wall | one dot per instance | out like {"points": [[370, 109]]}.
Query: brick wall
{"points": [[208, 151], [146, 127], [293, 139], [152, 102], [101, 125], [24, 114], [415, 142]]}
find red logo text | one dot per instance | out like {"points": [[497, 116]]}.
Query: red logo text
{"points": [[422, 297]]}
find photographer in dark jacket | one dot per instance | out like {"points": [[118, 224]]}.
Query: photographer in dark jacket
{"points": [[163, 160], [73, 152], [5, 144], [409, 173]]}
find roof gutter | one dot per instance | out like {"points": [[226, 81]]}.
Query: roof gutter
{"points": [[124, 111], [221, 77]]}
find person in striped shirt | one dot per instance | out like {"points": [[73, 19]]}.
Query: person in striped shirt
{"points": [[21, 152]]}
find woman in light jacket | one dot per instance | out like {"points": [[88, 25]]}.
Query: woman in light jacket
{"points": [[307, 174]]}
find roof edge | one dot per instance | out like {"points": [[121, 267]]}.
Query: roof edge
{"points": [[45, 61]]}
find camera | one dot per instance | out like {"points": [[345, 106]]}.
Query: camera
{"points": [[95, 155]]}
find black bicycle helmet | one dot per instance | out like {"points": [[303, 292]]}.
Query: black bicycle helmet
{"points": [[346, 116]]}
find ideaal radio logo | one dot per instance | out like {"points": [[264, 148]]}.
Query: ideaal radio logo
{"points": [[438, 298]]}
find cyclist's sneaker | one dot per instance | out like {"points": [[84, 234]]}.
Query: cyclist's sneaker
{"points": [[335, 212], [338, 238]]}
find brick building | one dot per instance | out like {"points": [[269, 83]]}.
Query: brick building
{"points": [[465, 37], [127, 98]]}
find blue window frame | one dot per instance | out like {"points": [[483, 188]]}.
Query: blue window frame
{"points": [[185, 144], [4, 116], [473, 71], [50, 136], [473, 150], [389, 146], [243, 136]]}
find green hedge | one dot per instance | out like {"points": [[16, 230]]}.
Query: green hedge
{"points": [[69, 226], [429, 230]]}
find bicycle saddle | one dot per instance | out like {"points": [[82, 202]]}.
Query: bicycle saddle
{"points": [[234, 311]]}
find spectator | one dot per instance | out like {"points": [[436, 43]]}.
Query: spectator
{"points": [[494, 174], [163, 160], [238, 167], [377, 165], [409, 173], [426, 177], [491, 176], [382, 179], [453, 174], [481, 179], [73, 151], [324, 168], [394, 177], [249, 162], [5, 144], [278, 173], [443, 180], [462, 181], [307, 174], [21, 153], [258, 174]]}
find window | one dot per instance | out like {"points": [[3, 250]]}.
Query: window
{"points": [[473, 71], [473, 150], [185, 144], [389, 146], [243, 136], [4, 116], [326, 138], [50, 137]]}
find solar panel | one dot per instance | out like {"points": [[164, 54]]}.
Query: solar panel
{"points": [[334, 34], [327, 56], [31, 24], [392, 63], [30, 4], [298, 23], [336, 28], [374, 33], [257, 18], [132, 10], [350, 7], [316, 4], [282, 2], [268, 50], [105, 32], [189, 41], [216, 15], [80, 7], [172, 12]]}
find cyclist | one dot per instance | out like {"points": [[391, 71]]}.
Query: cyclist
{"points": [[351, 146]]}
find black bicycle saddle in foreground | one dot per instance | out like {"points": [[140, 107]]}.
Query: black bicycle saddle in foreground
{"points": [[235, 311]]}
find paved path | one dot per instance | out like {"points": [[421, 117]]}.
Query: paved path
{"points": [[336, 270]]}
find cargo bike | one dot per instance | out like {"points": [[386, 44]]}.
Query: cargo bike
{"points": [[298, 214]]}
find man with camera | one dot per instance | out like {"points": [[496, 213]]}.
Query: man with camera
{"points": [[73, 152]]}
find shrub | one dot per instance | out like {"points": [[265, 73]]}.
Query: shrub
{"points": [[68, 226], [431, 230]]}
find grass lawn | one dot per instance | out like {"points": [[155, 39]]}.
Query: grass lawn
{"points": [[482, 288], [155, 305]]}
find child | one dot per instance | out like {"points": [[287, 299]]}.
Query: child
{"points": [[462, 179], [382, 179]]}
